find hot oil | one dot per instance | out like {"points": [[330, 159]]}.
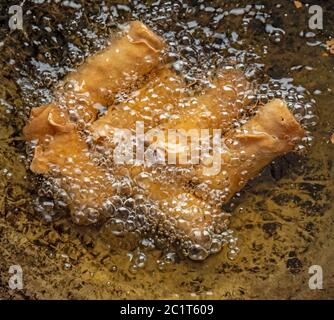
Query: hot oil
{"points": [[277, 224]]}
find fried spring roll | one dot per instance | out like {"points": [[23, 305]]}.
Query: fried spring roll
{"points": [[183, 210], [272, 132], [98, 80], [120, 65], [163, 102], [66, 157]]}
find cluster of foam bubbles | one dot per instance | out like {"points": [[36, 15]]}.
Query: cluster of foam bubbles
{"points": [[200, 38]]}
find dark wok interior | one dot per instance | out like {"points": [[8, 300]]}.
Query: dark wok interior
{"points": [[283, 219]]}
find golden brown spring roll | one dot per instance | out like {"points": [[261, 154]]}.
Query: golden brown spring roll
{"points": [[117, 67], [180, 210], [53, 128], [99, 79], [66, 157], [272, 132], [164, 102]]}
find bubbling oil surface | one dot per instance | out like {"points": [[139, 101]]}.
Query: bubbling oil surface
{"points": [[196, 52], [201, 39]]}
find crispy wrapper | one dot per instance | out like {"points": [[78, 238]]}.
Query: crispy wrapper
{"points": [[95, 84], [271, 133]]}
